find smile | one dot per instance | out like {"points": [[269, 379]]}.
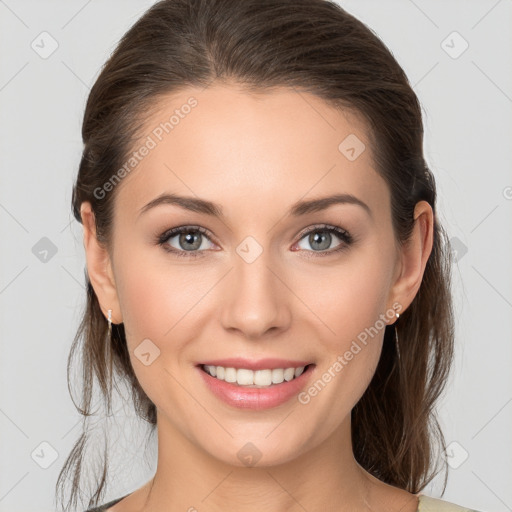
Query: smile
{"points": [[254, 379], [258, 388]]}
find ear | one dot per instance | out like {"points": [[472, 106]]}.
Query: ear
{"points": [[99, 267], [413, 257]]}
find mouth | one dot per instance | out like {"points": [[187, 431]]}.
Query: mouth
{"points": [[262, 378], [246, 384]]}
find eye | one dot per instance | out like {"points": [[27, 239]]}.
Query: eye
{"points": [[320, 238], [188, 241], [192, 241]]}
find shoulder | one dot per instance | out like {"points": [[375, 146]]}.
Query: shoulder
{"points": [[428, 504], [106, 506]]}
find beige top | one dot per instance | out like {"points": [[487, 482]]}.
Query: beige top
{"points": [[428, 504]]}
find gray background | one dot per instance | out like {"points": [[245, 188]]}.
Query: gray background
{"points": [[467, 102]]}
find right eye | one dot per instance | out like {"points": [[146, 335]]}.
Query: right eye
{"points": [[187, 241]]}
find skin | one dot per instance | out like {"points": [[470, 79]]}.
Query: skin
{"points": [[283, 304]]}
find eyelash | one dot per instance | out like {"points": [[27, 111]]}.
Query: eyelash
{"points": [[342, 234]]}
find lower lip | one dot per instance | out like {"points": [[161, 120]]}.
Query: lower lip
{"points": [[256, 398]]}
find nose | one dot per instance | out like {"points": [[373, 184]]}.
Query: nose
{"points": [[257, 299]]}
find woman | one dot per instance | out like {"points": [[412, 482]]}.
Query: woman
{"points": [[265, 266]]}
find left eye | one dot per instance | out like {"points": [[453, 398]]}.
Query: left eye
{"points": [[320, 238]]}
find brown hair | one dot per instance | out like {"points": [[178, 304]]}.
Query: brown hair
{"points": [[313, 46]]}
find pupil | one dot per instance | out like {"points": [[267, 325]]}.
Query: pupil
{"points": [[316, 238], [188, 238]]}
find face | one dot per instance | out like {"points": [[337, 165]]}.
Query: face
{"points": [[263, 278]]}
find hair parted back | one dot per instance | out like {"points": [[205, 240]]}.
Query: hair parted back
{"points": [[313, 46]]}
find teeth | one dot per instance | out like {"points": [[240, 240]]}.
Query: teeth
{"points": [[250, 378], [289, 373], [277, 375], [230, 375]]}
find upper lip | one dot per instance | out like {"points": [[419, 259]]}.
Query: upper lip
{"points": [[270, 363]]}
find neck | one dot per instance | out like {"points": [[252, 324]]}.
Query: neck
{"points": [[325, 477]]}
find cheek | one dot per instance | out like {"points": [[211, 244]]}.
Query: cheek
{"points": [[143, 302], [148, 298], [350, 301], [353, 308], [347, 298], [160, 301], [154, 305]]}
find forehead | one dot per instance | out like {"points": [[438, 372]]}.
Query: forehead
{"points": [[224, 143]]}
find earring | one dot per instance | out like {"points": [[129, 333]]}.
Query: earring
{"points": [[109, 320], [396, 336]]}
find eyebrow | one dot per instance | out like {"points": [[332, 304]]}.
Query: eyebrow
{"points": [[300, 208]]}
